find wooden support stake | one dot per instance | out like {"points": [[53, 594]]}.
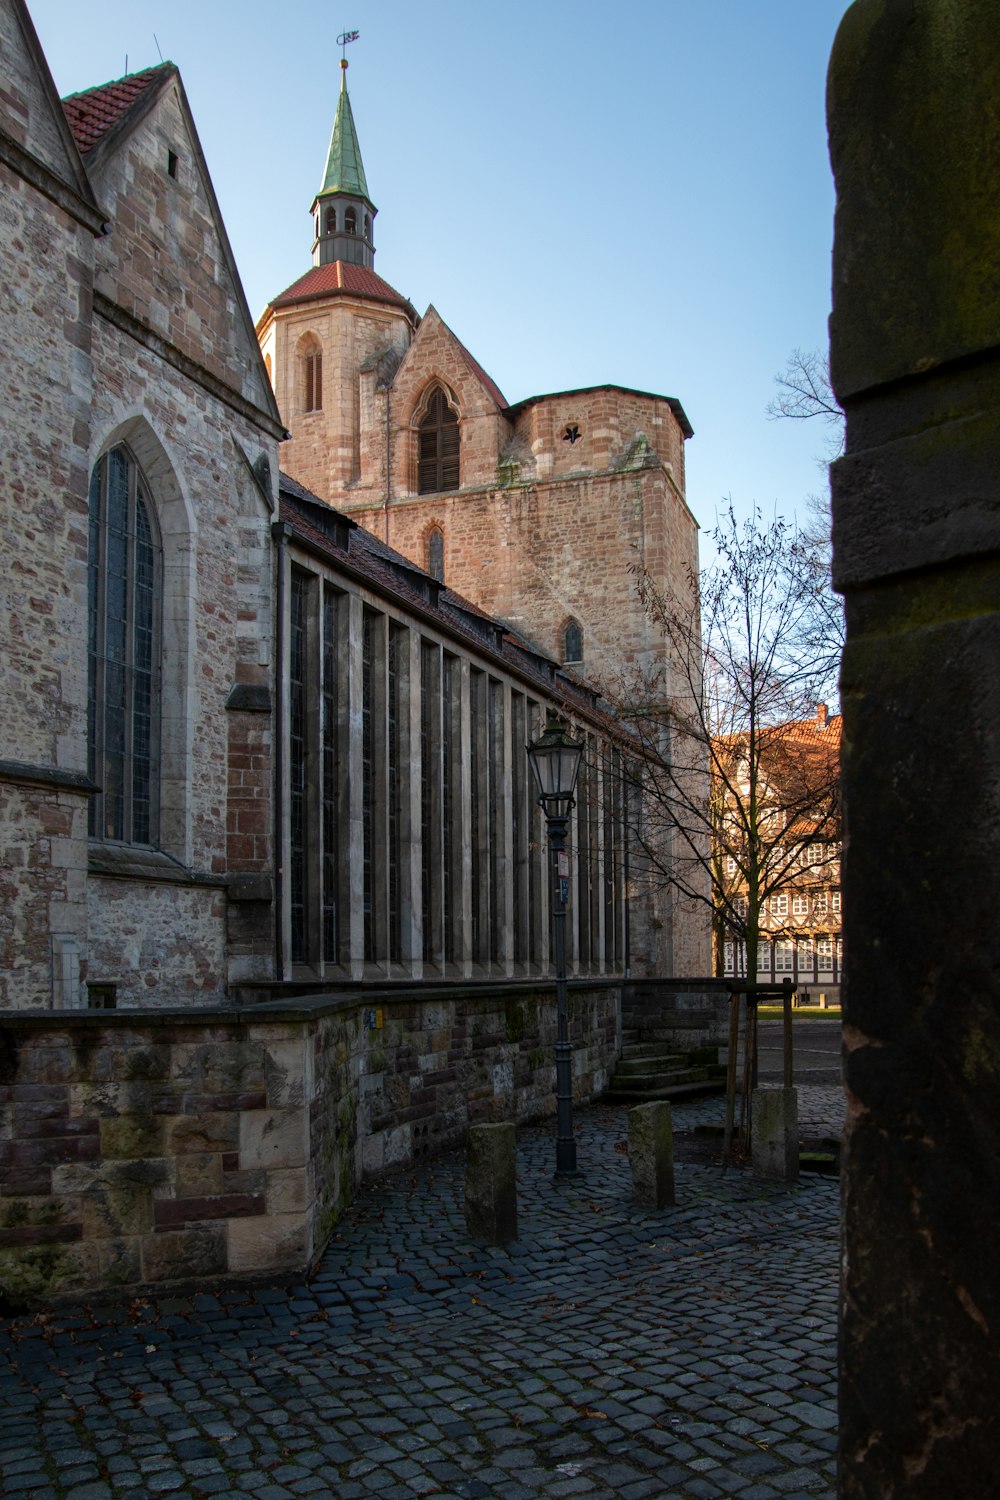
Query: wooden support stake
{"points": [[734, 1045], [787, 1001]]}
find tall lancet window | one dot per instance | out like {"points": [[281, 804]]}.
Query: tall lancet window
{"points": [[311, 367], [124, 585], [439, 443], [435, 554]]}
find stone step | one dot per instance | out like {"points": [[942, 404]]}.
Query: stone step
{"points": [[639, 1056], [651, 1049], [668, 1092], [652, 1077]]}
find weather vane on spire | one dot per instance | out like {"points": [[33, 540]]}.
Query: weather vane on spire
{"points": [[342, 41]]}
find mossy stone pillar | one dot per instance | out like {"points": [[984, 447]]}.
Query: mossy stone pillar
{"points": [[651, 1154], [774, 1134], [914, 119], [491, 1183]]}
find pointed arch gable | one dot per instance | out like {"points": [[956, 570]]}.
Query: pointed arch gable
{"points": [[423, 398]]}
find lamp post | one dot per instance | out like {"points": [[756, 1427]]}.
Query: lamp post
{"points": [[555, 761]]}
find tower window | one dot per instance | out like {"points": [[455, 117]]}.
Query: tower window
{"points": [[313, 364], [350, 221], [435, 554], [124, 578], [331, 221], [573, 642], [439, 443], [172, 164]]}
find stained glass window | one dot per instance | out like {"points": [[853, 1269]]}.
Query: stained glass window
{"points": [[124, 568]]}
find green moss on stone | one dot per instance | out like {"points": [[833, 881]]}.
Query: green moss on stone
{"points": [[981, 1063], [514, 1021], [31, 1275]]}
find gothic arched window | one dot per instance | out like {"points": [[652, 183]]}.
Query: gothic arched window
{"points": [[351, 221], [573, 643], [331, 221], [123, 683], [438, 452], [435, 554]]}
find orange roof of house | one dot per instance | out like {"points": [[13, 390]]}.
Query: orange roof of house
{"points": [[341, 276], [92, 114]]}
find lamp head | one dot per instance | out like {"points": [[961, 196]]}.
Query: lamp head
{"points": [[554, 758]]}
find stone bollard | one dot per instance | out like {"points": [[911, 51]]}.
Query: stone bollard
{"points": [[651, 1154], [774, 1131], [491, 1183]]}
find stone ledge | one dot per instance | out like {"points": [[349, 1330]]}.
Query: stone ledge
{"points": [[31, 775], [121, 862]]}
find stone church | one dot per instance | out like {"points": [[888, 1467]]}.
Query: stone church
{"points": [[263, 732], [540, 511]]}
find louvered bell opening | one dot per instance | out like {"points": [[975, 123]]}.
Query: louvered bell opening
{"points": [[439, 447]]}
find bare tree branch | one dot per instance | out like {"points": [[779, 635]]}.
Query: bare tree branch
{"points": [[805, 392], [736, 784]]}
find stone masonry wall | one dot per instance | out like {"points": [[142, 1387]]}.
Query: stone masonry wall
{"points": [[46, 276], [150, 1150], [343, 443], [158, 943]]}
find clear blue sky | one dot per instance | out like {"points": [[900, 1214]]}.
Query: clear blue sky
{"points": [[635, 193]]}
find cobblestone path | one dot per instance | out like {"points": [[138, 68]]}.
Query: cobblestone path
{"points": [[611, 1352]]}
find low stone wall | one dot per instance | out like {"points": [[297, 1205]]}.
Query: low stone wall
{"points": [[156, 1148], [689, 1012]]}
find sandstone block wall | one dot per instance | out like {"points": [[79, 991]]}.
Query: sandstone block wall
{"points": [[138, 337], [151, 1150], [47, 232]]}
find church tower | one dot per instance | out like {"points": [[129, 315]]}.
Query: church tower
{"points": [[332, 340], [537, 511], [342, 211]]}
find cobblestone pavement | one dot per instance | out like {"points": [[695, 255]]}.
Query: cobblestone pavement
{"points": [[610, 1352]]}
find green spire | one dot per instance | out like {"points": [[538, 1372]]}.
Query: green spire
{"points": [[345, 172]]}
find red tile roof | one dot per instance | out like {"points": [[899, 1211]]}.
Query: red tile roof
{"points": [[340, 276], [96, 111]]}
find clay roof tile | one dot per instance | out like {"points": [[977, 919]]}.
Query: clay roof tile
{"points": [[95, 112], [340, 277]]}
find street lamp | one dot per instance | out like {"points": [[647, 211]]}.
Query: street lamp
{"points": [[555, 760]]}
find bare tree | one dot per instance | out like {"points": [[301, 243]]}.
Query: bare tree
{"points": [[733, 787], [805, 394]]}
